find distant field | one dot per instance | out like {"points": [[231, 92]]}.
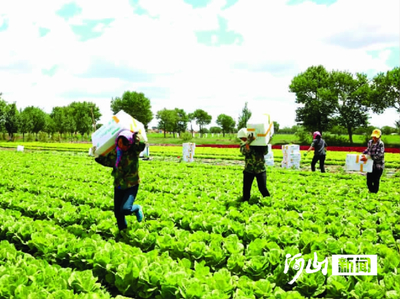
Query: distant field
{"points": [[157, 138]]}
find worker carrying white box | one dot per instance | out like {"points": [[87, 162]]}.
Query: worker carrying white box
{"points": [[104, 138]]}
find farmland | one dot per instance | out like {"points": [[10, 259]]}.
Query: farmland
{"points": [[199, 240]]}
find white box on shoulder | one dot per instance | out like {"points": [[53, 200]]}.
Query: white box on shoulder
{"points": [[262, 128], [353, 162], [104, 138]]}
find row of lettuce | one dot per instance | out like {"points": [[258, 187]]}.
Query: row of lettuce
{"points": [[199, 240]]}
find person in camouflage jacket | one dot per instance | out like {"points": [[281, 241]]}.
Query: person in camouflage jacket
{"points": [[254, 165], [125, 163]]}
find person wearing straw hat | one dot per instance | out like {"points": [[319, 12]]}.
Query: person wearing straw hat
{"points": [[319, 146], [125, 163], [376, 150], [254, 164]]}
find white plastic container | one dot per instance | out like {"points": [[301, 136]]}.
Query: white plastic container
{"points": [[353, 162], [269, 162], [188, 151], [20, 148], [146, 152], [262, 128], [104, 138]]}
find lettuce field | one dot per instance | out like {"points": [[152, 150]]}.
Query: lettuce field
{"points": [[59, 238]]}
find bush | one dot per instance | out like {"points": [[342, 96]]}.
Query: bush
{"points": [[43, 137], [337, 140], [303, 135], [29, 137], [186, 136]]}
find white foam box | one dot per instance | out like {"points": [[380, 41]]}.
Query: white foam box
{"points": [[262, 128], [20, 148], [104, 138], [353, 162], [269, 156], [290, 164], [291, 149], [269, 162], [188, 151], [291, 157]]}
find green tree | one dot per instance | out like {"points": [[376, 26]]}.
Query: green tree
{"points": [[12, 120], [38, 118], [190, 119], [50, 125], [26, 122], [276, 127], [135, 104], [70, 124], [244, 117], [226, 123], [313, 91], [202, 118], [181, 120], [215, 130], [387, 130], [397, 124], [166, 120], [3, 111], [85, 115], [386, 91], [59, 116], [352, 94]]}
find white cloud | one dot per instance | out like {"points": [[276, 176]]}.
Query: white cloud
{"points": [[279, 41]]}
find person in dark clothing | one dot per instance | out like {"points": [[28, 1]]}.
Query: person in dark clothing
{"points": [[376, 150], [124, 161], [319, 146], [254, 165]]}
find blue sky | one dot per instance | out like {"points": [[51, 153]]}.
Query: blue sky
{"points": [[191, 54]]}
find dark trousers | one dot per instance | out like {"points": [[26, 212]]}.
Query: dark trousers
{"points": [[321, 160], [123, 205], [248, 179], [373, 179]]}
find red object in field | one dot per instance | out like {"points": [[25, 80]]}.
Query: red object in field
{"points": [[358, 149]]}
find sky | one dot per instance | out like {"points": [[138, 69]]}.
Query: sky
{"points": [[213, 55]]}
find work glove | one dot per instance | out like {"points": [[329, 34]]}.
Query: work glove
{"points": [[250, 138], [363, 158], [92, 151]]}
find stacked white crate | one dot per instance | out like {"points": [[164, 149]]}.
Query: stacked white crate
{"points": [[269, 158], [291, 156], [188, 152]]}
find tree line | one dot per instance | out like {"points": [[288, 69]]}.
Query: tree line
{"points": [[339, 98], [330, 101]]}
